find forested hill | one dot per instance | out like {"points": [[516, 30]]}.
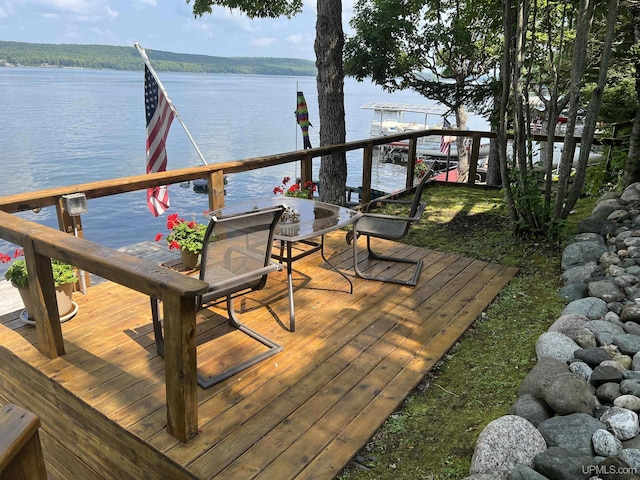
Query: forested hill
{"points": [[128, 58]]}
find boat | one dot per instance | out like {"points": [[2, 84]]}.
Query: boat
{"points": [[391, 118]]}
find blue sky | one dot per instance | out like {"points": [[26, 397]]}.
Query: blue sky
{"points": [[160, 25]]}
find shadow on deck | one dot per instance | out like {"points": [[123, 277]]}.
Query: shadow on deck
{"points": [[303, 413]]}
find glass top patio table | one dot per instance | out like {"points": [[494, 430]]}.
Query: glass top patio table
{"points": [[316, 218]]}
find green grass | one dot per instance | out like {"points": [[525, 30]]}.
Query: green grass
{"points": [[432, 436]]}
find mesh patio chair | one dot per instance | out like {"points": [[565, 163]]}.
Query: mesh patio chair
{"points": [[236, 259], [389, 227]]}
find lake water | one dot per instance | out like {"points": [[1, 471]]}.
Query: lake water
{"points": [[67, 126]]}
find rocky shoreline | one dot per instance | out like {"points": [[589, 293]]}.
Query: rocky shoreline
{"points": [[576, 415]]}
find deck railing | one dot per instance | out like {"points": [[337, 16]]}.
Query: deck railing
{"points": [[177, 291]]}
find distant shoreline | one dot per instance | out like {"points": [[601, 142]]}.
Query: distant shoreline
{"points": [[107, 57]]}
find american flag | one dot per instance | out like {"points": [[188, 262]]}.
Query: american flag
{"points": [[445, 141], [159, 118]]}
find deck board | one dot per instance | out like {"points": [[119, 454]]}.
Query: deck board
{"points": [[303, 413]]}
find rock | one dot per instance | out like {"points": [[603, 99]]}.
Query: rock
{"points": [[605, 444], [592, 356], [522, 472], [630, 386], [505, 443], [609, 258], [605, 374], [632, 327], [531, 408], [613, 468], [631, 456], [568, 393], [546, 368], [581, 253], [607, 290], [629, 402], [630, 313], [571, 431], [629, 344], [621, 422], [585, 338], [573, 291], [484, 476], [608, 392], [604, 331], [615, 364], [579, 275], [581, 369], [555, 345], [559, 463], [591, 307], [569, 325]]}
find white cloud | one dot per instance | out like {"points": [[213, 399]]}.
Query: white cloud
{"points": [[73, 10], [262, 42], [295, 39]]}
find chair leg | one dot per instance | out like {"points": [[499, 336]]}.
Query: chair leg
{"points": [[157, 326], [273, 348], [371, 254]]}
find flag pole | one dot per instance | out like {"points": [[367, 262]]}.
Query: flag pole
{"points": [[143, 54]]}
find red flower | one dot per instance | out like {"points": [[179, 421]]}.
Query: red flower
{"points": [[158, 237], [174, 246], [173, 220], [278, 190], [294, 188], [4, 258]]}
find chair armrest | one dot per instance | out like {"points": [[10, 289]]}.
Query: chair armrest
{"points": [[390, 217], [233, 280]]}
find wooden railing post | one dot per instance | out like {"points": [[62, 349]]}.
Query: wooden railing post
{"points": [[367, 165], [474, 154], [180, 365], [216, 190], [42, 290], [306, 168], [411, 161]]}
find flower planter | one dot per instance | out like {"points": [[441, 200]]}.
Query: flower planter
{"points": [[189, 259], [64, 296]]}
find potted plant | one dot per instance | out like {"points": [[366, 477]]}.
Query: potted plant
{"points": [[64, 277], [296, 189], [186, 236]]}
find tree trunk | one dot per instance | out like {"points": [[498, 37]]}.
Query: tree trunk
{"points": [[328, 47], [463, 154], [632, 166]]}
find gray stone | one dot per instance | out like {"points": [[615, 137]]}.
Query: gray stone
{"points": [[627, 343], [531, 408], [585, 338], [619, 216], [621, 422], [630, 386], [579, 275], [570, 431], [591, 307], [629, 402], [522, 472], [592, 356], [484, 476], [630, 194], [558, 463], [625, 280], [631, 456], [568, 393], [605, 444], [632, 327], [607, 290], [601, 375], [581, 253], [615, 364], [608, 392], [569, 324], [604, 208], [546, 368], [631, 375], [555, 345], [505, 443], [573, 291], [604, 331], [609, 258], [630, 313], [581, 369], [613, 468]]}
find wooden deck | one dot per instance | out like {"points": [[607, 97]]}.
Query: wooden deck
{"points": [[303, 413]]}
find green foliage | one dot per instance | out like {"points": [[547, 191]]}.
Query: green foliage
{"points": [[127, 58], [253, 8], [619, 101], [185, 235], [62, 273]]}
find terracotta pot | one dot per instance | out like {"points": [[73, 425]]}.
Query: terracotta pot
{"points": [[64, 297], [189, 260]]}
